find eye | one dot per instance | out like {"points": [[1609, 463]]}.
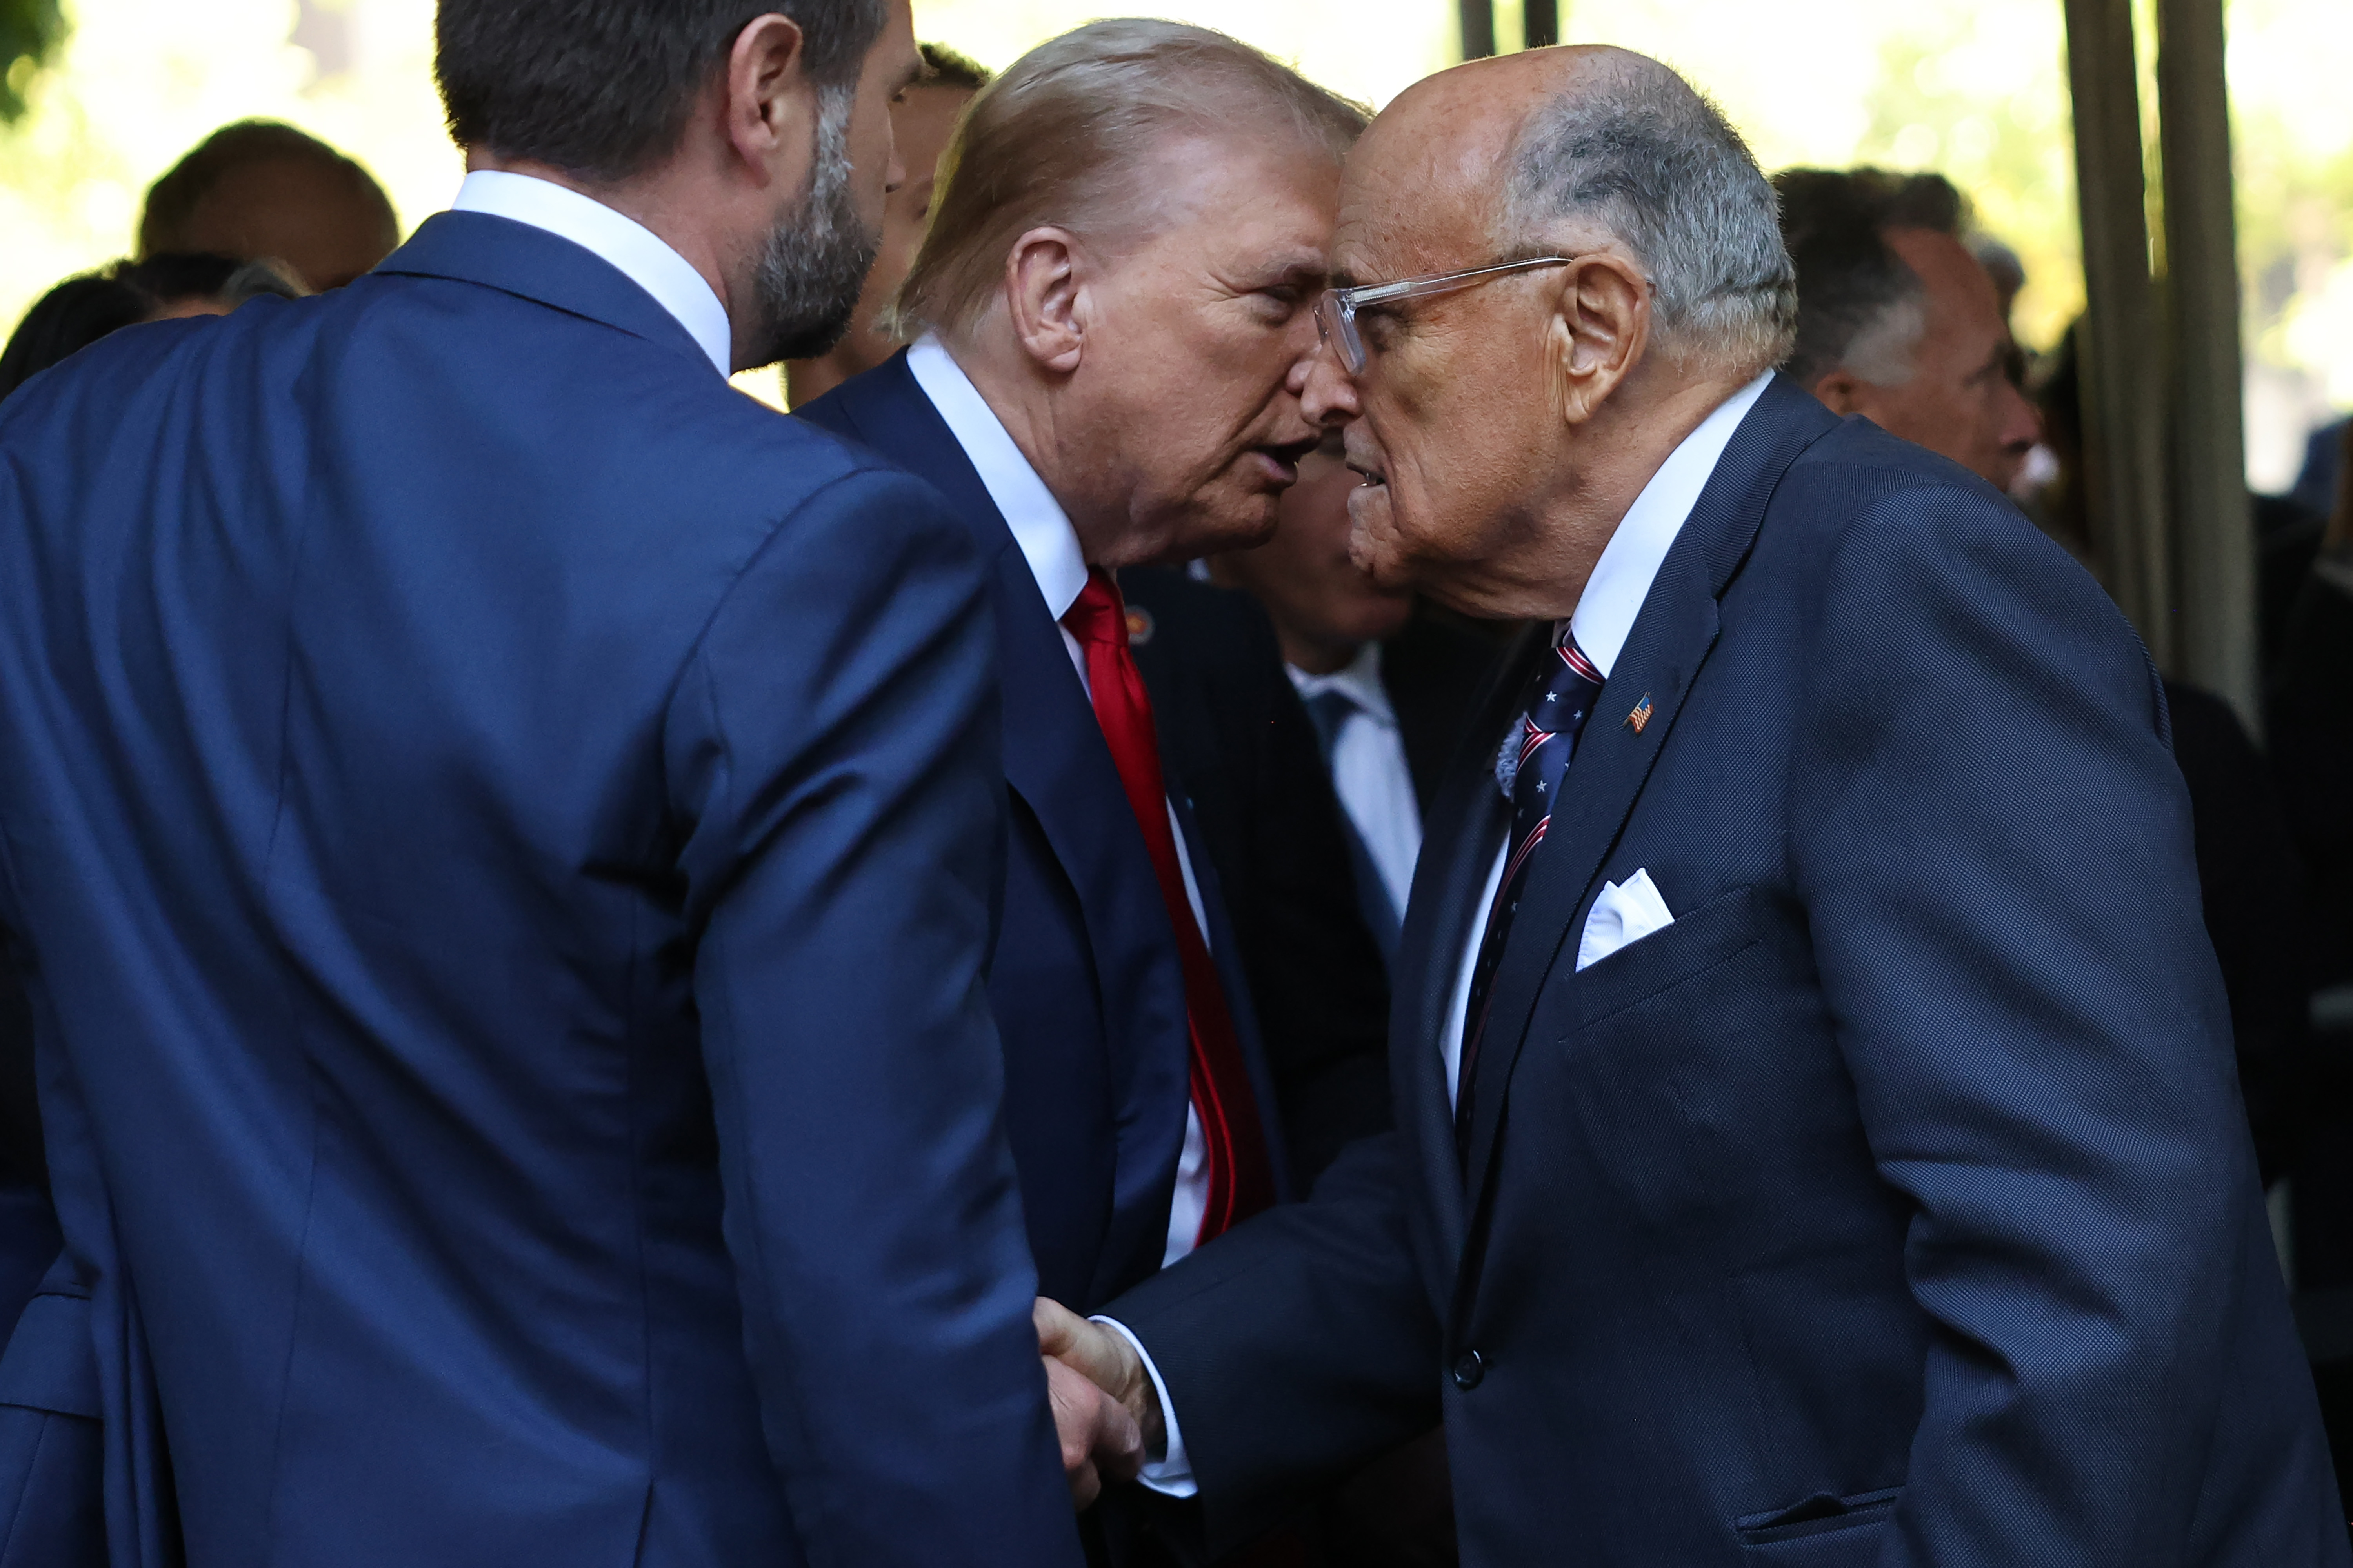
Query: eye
{"points": [[1379, 326], [1279, 303]]}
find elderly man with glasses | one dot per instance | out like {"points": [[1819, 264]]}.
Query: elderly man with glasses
{"points": [[1817, 1141]]}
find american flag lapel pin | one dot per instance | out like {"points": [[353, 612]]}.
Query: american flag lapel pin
{"points": [[1641, 715]]}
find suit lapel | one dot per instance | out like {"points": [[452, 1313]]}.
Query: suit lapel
{"points": [[1467, 822], [1670, 640], [1057, 761]]}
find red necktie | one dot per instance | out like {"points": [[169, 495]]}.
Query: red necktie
{"points": [[1241, 1180]]}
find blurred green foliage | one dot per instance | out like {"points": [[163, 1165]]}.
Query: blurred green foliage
{"points": [[29, 29]]}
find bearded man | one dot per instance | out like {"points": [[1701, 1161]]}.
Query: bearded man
{"points": [[500, 841]]}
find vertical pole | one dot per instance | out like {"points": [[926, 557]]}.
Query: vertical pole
{"points": [[1478, 29], [2213, 526], [1541, 23], [2124, 394]]}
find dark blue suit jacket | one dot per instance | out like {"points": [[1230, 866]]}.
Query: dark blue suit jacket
{"points": [[1892, 1207], [504, 827], [1089, 998]]}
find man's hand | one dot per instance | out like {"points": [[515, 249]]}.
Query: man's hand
{"points": [[1099, 1437], [1104, 1406]]}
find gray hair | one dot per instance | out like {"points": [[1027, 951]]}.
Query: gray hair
{"points": [[1647, 156], [1861, 308]]}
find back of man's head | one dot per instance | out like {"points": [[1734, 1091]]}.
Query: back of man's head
{"points": [[1639, 151], [1062, 136], [1862, 307], [258, 190], [601, 90]]}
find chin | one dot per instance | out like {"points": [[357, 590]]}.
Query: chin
{"points": [[1214, 534]]}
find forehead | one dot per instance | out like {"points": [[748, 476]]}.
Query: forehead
{"points": [[1956, 280], [1418, 197], [1239, 193]]}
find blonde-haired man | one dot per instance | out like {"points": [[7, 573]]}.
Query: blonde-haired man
{"points": [[1113, 316]]}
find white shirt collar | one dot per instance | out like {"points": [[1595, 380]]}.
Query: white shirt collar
{"points": [[1040, 527], [1359, 678], [1622, 579], [641, 255]]}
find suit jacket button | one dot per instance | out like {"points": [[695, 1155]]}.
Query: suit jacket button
{"points": [[1469, 1369]]}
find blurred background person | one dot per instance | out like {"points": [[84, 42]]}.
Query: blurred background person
{"points": [[923, 120], [1902, 325], [1387, 686], [81, 310], [258, 189]]}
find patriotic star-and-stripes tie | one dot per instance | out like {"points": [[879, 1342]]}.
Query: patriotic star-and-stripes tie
{"points": [[1528, 770]]}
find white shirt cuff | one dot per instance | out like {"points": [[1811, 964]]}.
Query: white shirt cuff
{"points": [[1171, 1475]]}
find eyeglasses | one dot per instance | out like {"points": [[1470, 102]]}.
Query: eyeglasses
{"points": [[1335, 309]]}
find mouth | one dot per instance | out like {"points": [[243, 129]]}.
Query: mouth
{"points": [[1374, 478], [1282, 461]]}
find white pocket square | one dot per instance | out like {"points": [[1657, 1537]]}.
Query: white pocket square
{"points": [[1625, 913]]}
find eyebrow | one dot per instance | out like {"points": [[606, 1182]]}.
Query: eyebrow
{"points": [[1298, 266]]}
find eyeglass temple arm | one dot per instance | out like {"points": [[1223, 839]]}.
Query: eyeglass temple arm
{"points": [[1374, 294]]}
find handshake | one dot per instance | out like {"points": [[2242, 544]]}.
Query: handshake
{"points": [[1106, 1412]]}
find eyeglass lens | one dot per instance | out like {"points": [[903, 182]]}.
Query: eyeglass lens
{"points": [[1338, 325]]}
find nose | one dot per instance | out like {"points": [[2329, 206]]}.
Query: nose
{"points": [[2021, 422], [1329, 396]]}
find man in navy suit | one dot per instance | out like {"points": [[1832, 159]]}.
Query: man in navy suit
{"points": [[502, 826], [1087, 404], [1816, 1141]]}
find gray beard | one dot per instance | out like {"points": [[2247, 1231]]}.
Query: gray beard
{"points": [[816, 263]]}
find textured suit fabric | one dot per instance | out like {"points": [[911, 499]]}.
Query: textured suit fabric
{"points": [[2253, 888], [503, 826], [1085, 981], [1893, 1205]]}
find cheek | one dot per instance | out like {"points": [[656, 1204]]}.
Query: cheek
{"points": [[1372, 533]]}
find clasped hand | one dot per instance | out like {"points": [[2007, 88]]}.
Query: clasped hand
{"points": [[1105, 1410]]}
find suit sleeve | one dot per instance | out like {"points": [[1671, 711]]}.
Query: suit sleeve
{"points": [[1298, 1348], [1994, 848], [834, 769]]}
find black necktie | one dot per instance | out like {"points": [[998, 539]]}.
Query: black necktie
{"points": [[1529, 770], [1330, 711]]}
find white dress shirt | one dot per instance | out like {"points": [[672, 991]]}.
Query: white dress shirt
{"points": [[641, 256], [1369, 769], [1604, 616], [1043, 532]]}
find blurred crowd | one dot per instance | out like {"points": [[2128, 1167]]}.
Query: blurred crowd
{"points": [[1905, 322]]}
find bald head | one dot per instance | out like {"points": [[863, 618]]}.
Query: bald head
{"points": [[1601, 266], [1567, 150]]}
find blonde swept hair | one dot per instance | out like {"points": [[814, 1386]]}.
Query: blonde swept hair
{"points": [[1063, 138]]}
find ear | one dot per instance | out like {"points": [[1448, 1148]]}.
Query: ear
{"points": [[769, 103], [1600, 330], [1046, 297], [1840, 392]]}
